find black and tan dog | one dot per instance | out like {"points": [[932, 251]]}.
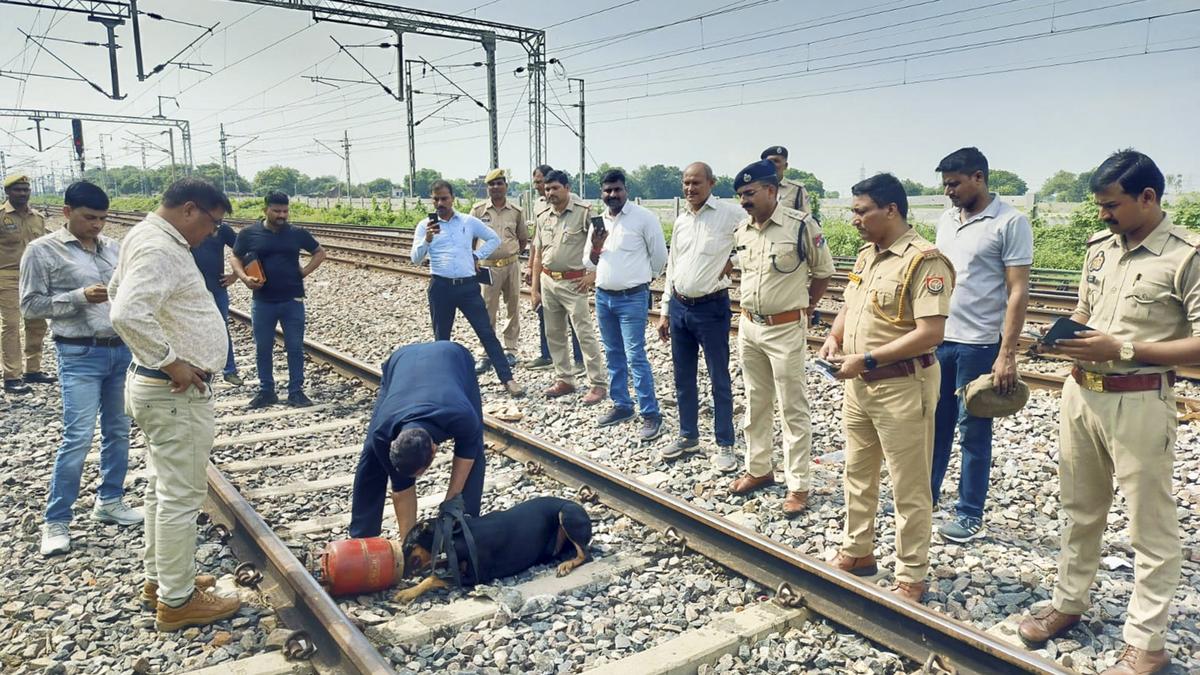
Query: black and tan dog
{"points": [[506, 543]]}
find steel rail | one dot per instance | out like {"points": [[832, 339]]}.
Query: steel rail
{"points": [[915, 631]]}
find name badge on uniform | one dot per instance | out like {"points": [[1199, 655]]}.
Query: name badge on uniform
{"points": [[10, 224], [486, 219], [854, 278]]}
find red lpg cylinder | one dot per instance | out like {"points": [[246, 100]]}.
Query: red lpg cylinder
{"points": [[355, 566]]}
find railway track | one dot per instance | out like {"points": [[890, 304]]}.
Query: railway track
{"points": [[803, 589]]}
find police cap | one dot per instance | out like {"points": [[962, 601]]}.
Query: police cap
{"points": [[760, 171], [774, 150], [982, 400]]}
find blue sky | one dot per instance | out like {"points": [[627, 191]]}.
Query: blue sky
{"points": [[849, 87]]}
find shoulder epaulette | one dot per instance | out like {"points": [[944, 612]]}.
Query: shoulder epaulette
{"points": [[483, 203], [1099, 237], [1190, 237]]}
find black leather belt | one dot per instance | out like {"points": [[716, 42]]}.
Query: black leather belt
{"points": [[628, 291], [156, 374], [683, 299], [90, 341], [454, 281]]}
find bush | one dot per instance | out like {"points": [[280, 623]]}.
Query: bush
{"points": [[1187, 212], [1065, 246]]}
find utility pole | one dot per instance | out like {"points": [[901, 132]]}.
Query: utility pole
{"points": [[145, 189], [582, 142], [489, 46], [346, 150], [3, 164], [412, 141], [171, 137], [223, 170], [104, 163]]}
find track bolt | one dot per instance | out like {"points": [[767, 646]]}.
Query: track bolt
{"points": [[786, 596], [246, 574], [937, 664], [299, 646], [674, 538], [586, 494], [219, 533]]}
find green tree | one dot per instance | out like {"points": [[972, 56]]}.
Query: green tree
{"points": [[421, 181], [279, 178], [913, 189], [1006, 182], [724, 187], [380, 186], [808, 180], [320, 185], [1187, 212], [659, 181], [1059, 186]]}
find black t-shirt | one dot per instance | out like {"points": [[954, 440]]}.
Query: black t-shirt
{"points": [[210, 257], [279, 254], [431, 385]]}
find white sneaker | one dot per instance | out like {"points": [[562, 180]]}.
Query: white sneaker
{"points": [[56, 538], [724, 461], [116, 513]]}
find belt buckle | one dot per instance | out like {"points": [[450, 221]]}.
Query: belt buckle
{"points": [[557, 276], [760, 319], [1093, 381]]}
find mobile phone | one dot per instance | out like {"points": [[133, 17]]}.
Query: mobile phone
{"points": [[598, 224], [433, 216], [1063, 329], [826, 368]]}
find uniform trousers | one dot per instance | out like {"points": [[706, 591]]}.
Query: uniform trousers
{"points": [[179, 438], [891, 420], [11, 324], [506, 282], [773, 368], [566, 306], [1130, 436]]}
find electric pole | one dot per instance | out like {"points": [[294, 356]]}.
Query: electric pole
{"points": [[223, 159], [145, 190], [489, 47], [171, 137], [346, 152], [582, 142], [412, 142], [3, 164]]}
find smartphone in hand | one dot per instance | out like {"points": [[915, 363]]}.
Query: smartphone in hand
{"points": [[827, 369], [598, 229]]}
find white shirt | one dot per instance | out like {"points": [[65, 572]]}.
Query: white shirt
{"points": [[701, 244], [634, 252], [160, 305]]}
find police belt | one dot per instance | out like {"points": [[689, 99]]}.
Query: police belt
{"points": [[113, 341], [502, 262], [1120, 383], [899, 368], [685, 300], [560, 276], [774, 319], [156, 374]]}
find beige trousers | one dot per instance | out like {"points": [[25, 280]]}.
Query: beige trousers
{"points": [[773, 368], [11, 324], [560, 303], [891, 421], [1130, 436], [179, 437], [506, 281]]}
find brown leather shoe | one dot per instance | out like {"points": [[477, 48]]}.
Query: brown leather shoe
{"points": [[911, 591], [203, 608], [1044, 625], [560, 388], [747, 483], [1136, 661], [795, 503], [150, 589], [595, 395], [859, 567]]}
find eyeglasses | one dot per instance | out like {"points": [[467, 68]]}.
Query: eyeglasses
{"points": [[215, 221]]}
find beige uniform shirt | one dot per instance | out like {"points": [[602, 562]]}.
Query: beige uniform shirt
{"points": [[16, 231], [773, 278], [889, 290], [506, 222], [561, 237], [1149, 294], [793, 195]]}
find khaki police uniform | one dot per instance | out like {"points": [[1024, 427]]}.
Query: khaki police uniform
{"points": [[772, 337], [888, 411], [505, 266], [793, 195], [16, 231], [561, 238], [1113, 425]]}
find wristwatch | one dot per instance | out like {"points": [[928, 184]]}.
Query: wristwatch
{"points": [[1126, 351], [869, 361]]}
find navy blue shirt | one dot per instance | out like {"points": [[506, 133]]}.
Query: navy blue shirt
{"points": [[279, 254], [210, 257], [431, 385]]}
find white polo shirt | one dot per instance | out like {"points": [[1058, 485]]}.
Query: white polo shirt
{"points": [[980, 248]]}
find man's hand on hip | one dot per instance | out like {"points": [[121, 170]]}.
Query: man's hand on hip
{"points": [[184, 375]]}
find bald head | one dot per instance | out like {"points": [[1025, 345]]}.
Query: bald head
{"points": [[698, 183]]}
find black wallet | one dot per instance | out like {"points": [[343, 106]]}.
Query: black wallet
{"points": [[484, 276], [1063, 329]]}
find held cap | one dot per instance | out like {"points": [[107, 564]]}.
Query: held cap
{"points": [[982, 400]]}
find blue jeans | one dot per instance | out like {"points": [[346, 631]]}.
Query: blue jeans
{"points": [[290, 315], [92, 380], [622, 320], [545, 346], [962, 363], [222, 299], [694, 327]]}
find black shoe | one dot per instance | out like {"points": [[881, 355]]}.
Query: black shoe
{"points": [[652, 427], [483, 365], [299, 400], [263, 399], [614, 415], [40, 378], [16, 387]]}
